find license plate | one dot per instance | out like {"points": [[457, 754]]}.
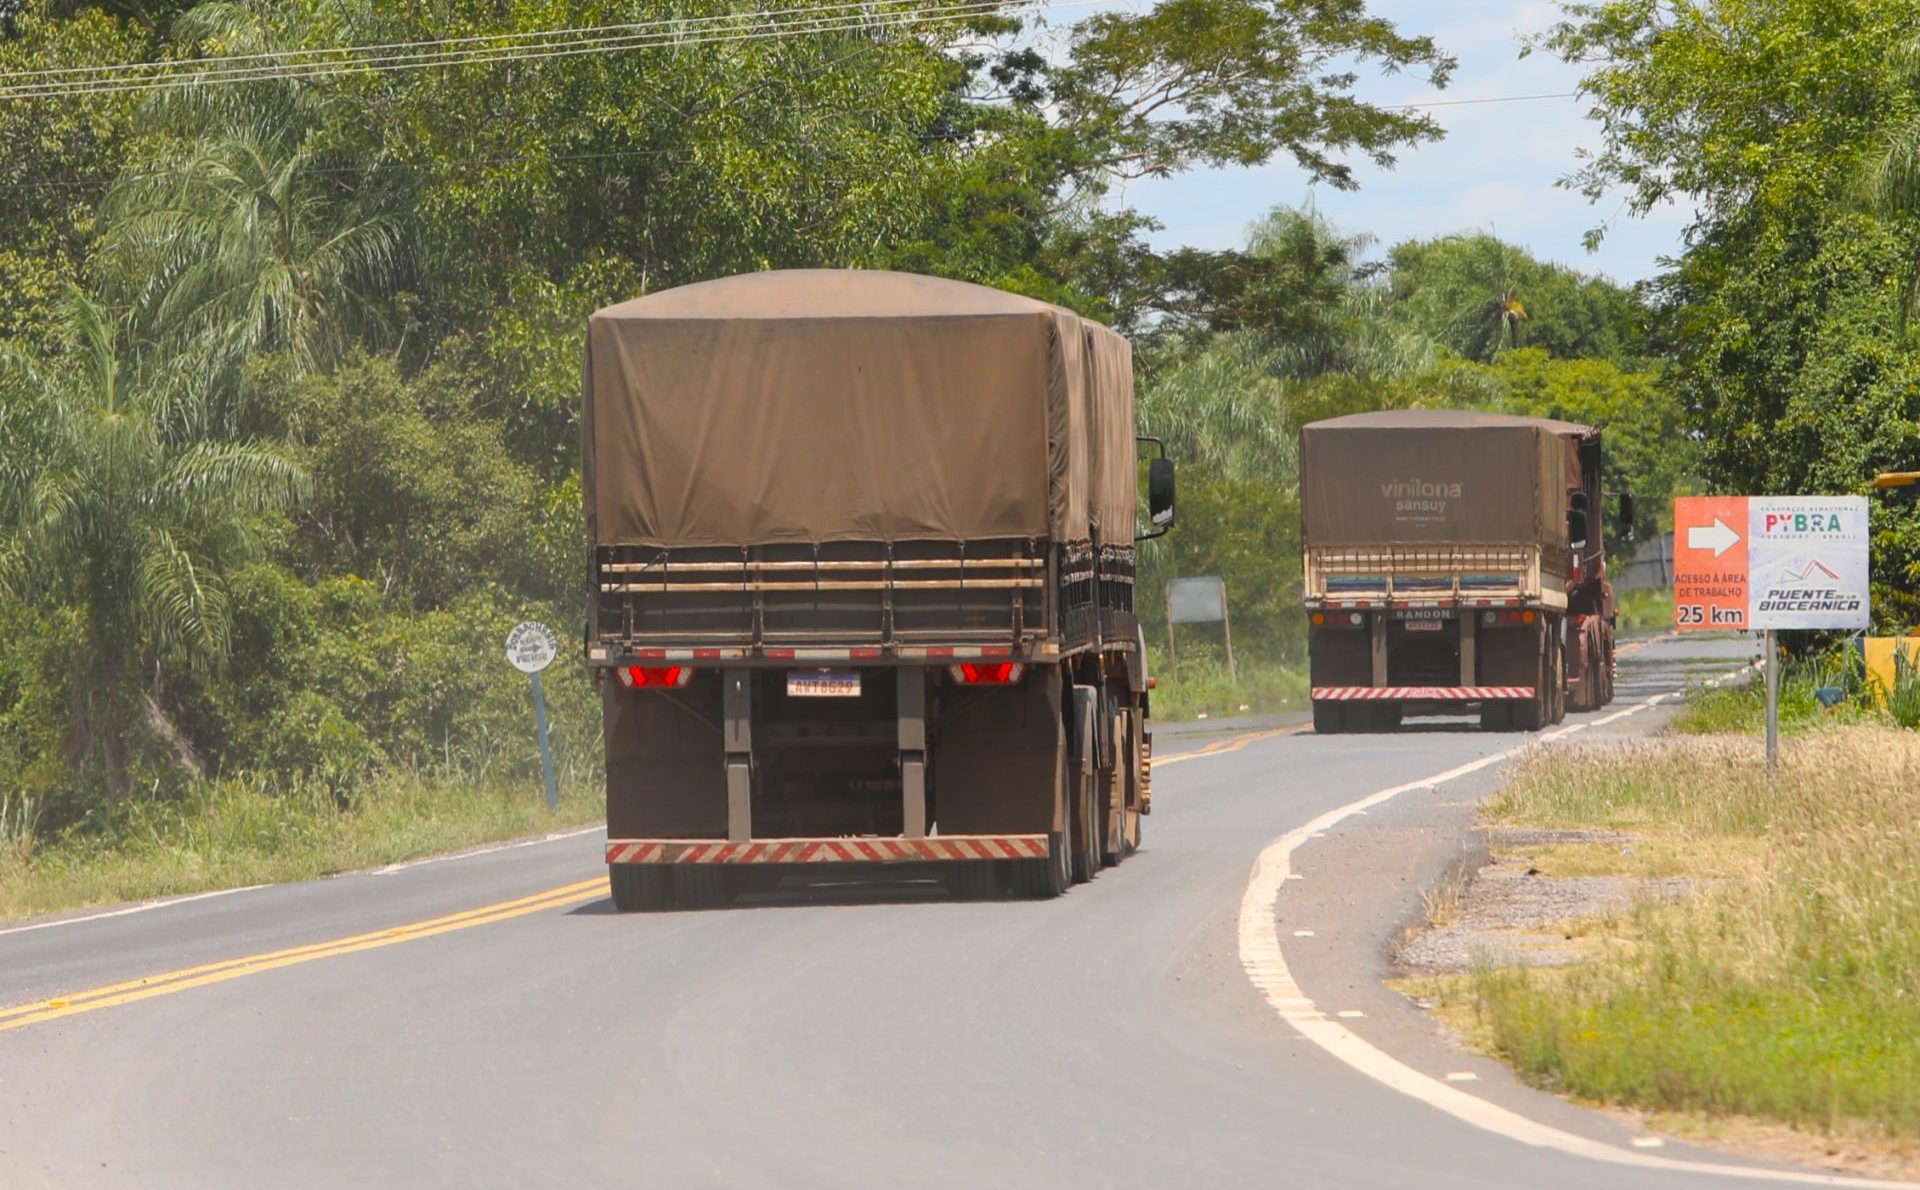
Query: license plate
{"points": [[1424, 625], [823, 685]]}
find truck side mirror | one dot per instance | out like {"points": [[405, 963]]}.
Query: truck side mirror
{"points": [[1577, 527], [1626, 516], [1160, 491]]}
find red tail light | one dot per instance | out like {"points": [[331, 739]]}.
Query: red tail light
{"points": [[986, 673], [653, 677]]}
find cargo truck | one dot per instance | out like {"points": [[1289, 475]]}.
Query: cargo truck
{"points": [[1454, 563], [862, 563]]}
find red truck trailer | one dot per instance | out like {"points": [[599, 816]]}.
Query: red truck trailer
{"points": [[1454, 562], [862, 557]]}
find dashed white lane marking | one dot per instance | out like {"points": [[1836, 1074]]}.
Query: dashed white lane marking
{"points": [[1260, 955], [1303, 933], [1351, 1014], [1646, 1142], [1462, 1076]]}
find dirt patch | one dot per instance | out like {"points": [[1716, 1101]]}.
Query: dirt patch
{"points": [[1512, 912]]}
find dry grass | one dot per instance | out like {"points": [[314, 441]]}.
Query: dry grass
{"points": [[234, 833], [1789, 990]]}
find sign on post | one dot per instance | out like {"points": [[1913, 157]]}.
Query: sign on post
{"points": [[1762, 563], [531, 647], [1766, 562], [1199, 600]]}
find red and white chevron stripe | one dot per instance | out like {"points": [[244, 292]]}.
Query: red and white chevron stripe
{"points": [[825, 851], [1418, 693], [810, 656]]}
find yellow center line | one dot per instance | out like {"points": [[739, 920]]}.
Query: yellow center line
{"points": [[166, 983], [1232, 744]]}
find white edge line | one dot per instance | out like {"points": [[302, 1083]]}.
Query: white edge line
{"points": [[1266, 966], [170, 902]]}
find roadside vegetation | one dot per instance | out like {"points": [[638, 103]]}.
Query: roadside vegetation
{"points": [[1781, 988], [1643, 612], [288, 427]]}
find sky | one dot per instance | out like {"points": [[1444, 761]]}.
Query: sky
{"points": [[1494, 171]]}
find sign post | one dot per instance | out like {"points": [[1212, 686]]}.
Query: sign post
{"points": [[531, 647], [1770, 562], [1201, 600]]}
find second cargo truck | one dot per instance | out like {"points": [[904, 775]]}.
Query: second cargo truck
{"points": [[1454, 563]]}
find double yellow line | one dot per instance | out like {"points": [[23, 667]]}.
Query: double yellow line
{"points": [[1230, 744], [167, 983]]}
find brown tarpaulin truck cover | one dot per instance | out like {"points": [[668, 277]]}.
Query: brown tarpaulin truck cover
{"points": [[1436, 476], [846, 405]]}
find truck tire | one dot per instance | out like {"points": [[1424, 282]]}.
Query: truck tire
{"points": [[1329, 718], [639, 888], [1496, 715], [1043, 879], [1115, 783], [1557, 680], [1086, 824]]}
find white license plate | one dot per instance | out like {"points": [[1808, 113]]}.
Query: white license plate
{"points": [[823, 685], [1425, 625]]}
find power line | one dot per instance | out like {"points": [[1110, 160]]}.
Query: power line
{"points": [[1401, 107], [567, 47], [632, 27]]}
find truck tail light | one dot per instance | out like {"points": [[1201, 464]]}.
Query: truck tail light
{"points": [[986, 673], [653, 677]]}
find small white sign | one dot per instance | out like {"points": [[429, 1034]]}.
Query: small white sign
{"points": [[1807, 562], [532, 646]]}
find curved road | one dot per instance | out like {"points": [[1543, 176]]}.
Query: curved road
{"points": [[359, 1032]]}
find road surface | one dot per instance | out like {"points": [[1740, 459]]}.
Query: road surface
{"points": [[488, 1021]]}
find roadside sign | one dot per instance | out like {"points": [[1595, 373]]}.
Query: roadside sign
{"points": [[532, 646], [1770, 562], [1201, 600]]}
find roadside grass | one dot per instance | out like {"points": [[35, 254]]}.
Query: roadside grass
{"points": [[235, 832], [1643, 611], [1204, 689], [1786, 989], [1742, 707]]}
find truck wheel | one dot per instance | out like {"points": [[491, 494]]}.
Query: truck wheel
{"points": [[1329, 718], [1113, 815], [1086, 826], [1049, 877], [1557, 681], [639, 888], [1496, 716]]}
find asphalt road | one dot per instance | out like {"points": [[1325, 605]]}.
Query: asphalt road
{"points": [[849, 1037]]}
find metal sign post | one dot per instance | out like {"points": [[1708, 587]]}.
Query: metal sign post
{"points": [[1773, 705], [531, 647]]}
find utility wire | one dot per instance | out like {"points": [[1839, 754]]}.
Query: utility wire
{"points": [[848, 22], [632, 27], [1401, 107]]}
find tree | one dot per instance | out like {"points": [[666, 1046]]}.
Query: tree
{"points": [[248, 229], [1782, 319], [1479, 296], [119, 499], [57, 156]]}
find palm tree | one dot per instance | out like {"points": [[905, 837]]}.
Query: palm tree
{"points": [[254, 231], [119, 498]]}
